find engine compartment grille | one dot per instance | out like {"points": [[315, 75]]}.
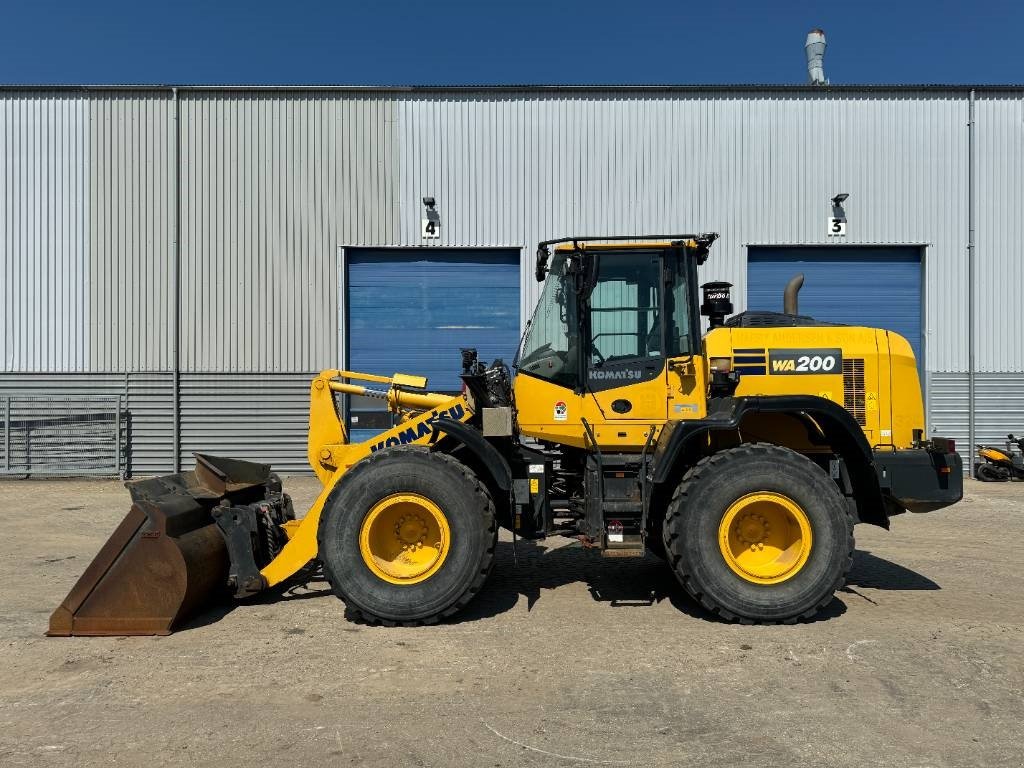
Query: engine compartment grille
{"points": [[853, 388]]}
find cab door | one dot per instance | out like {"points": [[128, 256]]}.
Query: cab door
{"points": [[626, 372]]}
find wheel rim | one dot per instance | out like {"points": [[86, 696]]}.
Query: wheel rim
{"points": [[404, 538], [765, 537]]}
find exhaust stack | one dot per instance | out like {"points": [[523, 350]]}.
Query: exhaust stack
{"points": [[790, 305], [815, 49]]}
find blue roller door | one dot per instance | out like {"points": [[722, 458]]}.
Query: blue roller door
{"points": [[877, 287], [411, 311]]}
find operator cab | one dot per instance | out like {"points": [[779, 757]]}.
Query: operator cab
{"points": [[612, 313]]}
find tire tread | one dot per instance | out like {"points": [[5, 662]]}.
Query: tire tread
{"points": [[486, 505], [677, 507]]}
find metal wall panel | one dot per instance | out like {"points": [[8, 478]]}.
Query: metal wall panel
{"points": [[999, 270], [60, 384], [262, 418], [999, 407], [151, 423], [271, 184], [44, 168], [759, 167], [147, 396], [947, 407], [131, 231]]}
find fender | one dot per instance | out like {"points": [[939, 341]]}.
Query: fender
{"points": [[481, 448], [680, 439]]}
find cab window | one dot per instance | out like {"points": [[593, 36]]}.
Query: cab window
{"points": [[625, 310]]}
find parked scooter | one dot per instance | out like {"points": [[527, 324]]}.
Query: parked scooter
{"points": [[1001, 464]]}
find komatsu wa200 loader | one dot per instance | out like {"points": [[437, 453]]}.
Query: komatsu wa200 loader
{"points": [[744, 457]]}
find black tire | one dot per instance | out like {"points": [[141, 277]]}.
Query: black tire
{"points": [[707, 491], [470, 514], [987, 473]]}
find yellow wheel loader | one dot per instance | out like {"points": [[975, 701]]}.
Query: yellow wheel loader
{"points": [[743, 458]]}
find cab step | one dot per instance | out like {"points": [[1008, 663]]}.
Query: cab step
{"points": [[622, 544]]}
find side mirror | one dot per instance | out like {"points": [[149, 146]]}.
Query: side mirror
{"points": [[542, 264]]}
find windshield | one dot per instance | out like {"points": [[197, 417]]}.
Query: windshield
{"points": [[549, 348]]}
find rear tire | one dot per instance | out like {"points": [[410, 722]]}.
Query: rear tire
{"points": [[422, 578], [783, 508], [987, 473]]}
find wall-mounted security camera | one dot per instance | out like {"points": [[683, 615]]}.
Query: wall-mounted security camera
{"points": [[431, 222], [837, 222]]}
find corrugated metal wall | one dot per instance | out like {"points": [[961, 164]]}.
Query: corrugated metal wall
{"points": [[131, 231], [44, 172], [273, 181], [999, 269], [256, 417], [150, 423], [999, 407], [271, 185]]}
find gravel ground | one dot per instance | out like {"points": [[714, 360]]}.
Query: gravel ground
{"points": [[565, 659]]}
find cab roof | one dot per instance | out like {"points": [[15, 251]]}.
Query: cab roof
{"points": [[629, 245], [628, 242], [698, 245]]}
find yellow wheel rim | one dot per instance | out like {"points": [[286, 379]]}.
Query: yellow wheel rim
{"points": [[765, 537], [404, 539]]}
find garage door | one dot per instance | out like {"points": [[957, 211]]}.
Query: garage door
{"points": [[878, 287], [411, 311]]}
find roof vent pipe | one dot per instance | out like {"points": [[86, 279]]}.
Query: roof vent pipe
{"points": [[815, 48]]}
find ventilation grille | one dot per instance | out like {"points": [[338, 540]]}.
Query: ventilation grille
{"points": [[853, 388]]}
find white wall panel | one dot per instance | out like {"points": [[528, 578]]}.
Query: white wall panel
{"points": [[131, 228], [999, 254], [44, 167], [271, 185]]}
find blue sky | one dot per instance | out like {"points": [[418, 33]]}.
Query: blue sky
{"points": [[456, 42]]}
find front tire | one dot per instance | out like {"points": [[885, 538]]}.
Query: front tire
{"points": [[407, 537], [759, 533]]}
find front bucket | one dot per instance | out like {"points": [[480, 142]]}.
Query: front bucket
{"points": [[165, 560]]}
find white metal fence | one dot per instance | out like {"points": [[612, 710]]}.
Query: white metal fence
{"points": [[62, 435]]}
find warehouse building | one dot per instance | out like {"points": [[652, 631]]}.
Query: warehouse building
{"points": [[178, 262]]}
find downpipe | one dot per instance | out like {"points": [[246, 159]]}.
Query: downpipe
{"points": [[970, 282]]}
